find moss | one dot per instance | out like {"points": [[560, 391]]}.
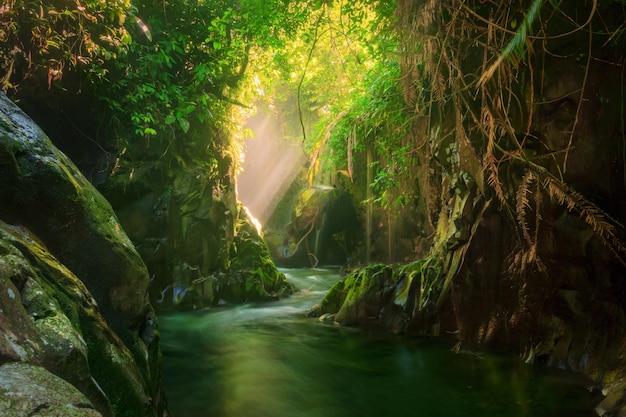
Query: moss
{"points": [[389, 296], [113, 367], [252, 275], [332, 302], [31, 390]]}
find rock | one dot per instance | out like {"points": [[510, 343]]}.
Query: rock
{"points": [[50, 319], [29, 390], [72, 287], [198, 242], [41, 189], [327, 318], [378, 295], [613, 403], [252, 275]]}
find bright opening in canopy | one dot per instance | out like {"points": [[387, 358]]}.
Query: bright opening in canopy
{"points": [[271, 163]]}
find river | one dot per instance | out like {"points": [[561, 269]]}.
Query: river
{"points": [[270, 360]]}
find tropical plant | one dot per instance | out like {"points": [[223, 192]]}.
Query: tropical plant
{"points": [[42, 41]]}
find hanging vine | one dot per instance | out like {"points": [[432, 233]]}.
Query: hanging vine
{"points": [[496, 134]]}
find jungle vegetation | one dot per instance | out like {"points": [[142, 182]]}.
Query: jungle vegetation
{"points": [[438, 91]]}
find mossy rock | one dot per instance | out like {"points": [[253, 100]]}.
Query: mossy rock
{"points": [[379, 295], [46, 303], [41, 189], [71, 280], [252, 275], [30, 390]]}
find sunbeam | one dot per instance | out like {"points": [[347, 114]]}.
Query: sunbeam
{"points": [[271, 163]]}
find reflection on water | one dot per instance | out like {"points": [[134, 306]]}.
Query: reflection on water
{"points": [[269, 360]]}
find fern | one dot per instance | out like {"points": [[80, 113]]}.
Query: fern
{"points": [[600, 222], [523, 204], [490, 161]]}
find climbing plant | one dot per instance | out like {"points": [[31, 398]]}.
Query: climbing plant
{"points": [[372, 115]]}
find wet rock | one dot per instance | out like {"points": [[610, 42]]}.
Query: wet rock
{"points": [[614, 403], [379, 295], [29, 390], [72, 287], [327, 318], [252, 275], [49, 318]]}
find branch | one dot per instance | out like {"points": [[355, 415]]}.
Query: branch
{"points": [[306, 67]]}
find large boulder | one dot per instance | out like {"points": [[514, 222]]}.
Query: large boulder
{"points": [[252, 275], [392, 297], [27, 390], [72, 287]]}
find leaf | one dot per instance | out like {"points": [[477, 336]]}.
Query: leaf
{"points": [[169, 119], [184, 124], [517, 45]]}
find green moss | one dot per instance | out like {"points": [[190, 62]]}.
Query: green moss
{"points": [[332, 302], [252, 274], [113, 367], [26, 389], [382, 295]]}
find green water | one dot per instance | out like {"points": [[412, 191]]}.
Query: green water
{"points": [[269, 360]]}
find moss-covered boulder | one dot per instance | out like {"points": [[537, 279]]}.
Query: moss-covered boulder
{"points": [[50, 319], [199, 243], [252, 275], [393, 297], [72, 287], [29, 390]]}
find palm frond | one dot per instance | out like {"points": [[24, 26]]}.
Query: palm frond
{"points": [[517, 46]]}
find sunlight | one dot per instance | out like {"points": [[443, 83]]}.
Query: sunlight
{"points": [[270, 165]]}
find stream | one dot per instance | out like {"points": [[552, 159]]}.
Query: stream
{"points": [[270, 360]]}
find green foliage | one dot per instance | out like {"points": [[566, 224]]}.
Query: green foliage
{"points": [[516, 48], [340, 91], [196, 57], [428, 272], [373, 115], [42, 40], [163, 70]]}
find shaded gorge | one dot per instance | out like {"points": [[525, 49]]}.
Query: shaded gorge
{"points": [[271, 360]]}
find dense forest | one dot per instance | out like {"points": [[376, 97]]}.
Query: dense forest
{"points": [[463, 162]]}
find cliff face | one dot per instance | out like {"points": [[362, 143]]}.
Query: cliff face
{"points": [[521, 182], [74, 290]]}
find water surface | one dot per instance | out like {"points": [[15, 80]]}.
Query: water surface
{"points": [[270, 360]]}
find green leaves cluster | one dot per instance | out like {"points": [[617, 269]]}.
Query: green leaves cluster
{"points": [[169, 73], [340, 79], [176, 88], [375, 116], [163, 70], [40, 41]]}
